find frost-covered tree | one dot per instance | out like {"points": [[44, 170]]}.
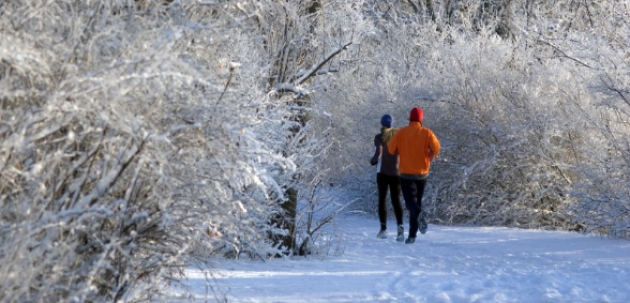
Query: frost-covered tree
{"points": [[306, 45]]}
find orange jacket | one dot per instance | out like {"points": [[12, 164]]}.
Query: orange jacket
{"points": [[416, 147]]}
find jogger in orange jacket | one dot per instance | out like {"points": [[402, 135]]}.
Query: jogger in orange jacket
{"points": [[416, 147]]}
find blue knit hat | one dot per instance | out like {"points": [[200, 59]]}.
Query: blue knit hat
{"points": [[386, 121]]}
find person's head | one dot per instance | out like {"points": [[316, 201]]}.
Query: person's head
{"points": [[387, 121], [416, 115]]}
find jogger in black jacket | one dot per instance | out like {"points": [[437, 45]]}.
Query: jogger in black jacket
{"points": [[387, 177]]}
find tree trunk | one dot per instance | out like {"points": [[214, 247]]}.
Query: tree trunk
{"points": [[286, 221]]}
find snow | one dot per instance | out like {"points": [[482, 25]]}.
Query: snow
{"points": [[447, 264]]}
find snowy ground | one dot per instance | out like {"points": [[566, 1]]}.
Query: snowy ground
{"points": [[447, 264]]}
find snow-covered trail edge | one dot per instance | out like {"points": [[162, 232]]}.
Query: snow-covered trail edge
{"points": [[448, 264]]}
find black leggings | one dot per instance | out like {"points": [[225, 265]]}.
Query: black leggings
{"points": [[413, 190], [384, 182]]}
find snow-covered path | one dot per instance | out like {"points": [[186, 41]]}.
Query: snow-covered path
{"points": [[447, 264]]}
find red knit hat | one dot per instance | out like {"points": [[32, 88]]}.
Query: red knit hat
{"points": [[416, 114]]}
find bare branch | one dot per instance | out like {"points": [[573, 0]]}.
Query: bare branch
{"points": [[563, 53], [329, 57]]}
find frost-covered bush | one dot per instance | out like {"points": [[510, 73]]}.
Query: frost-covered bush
{"points": [[507, 158], [132, 134], [598, 48]]}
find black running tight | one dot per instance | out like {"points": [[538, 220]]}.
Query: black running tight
{"points": [[385, 182]]}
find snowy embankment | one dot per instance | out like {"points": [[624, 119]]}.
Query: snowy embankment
{"points": [[447, 264]]}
